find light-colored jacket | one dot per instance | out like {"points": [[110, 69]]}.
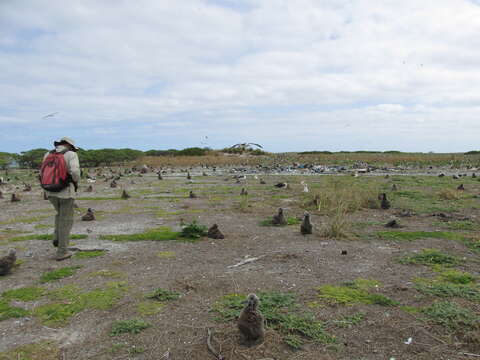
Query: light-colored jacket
{"points": [[73, 168]]}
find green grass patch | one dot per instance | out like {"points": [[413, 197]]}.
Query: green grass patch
{"points": [[290, 221], [106, 273], [25, 220], [355, 292], [473, 243], [43, 226], [89, 254], [350, 320], [133, 326], [456, 277], [163, 295], [442, 287], [279, 310], [163, 233], [431, 257], [193, 231], [148, 308], [59, 273], [99, 198], [164, 213], [44, 237], [45, 350], [73, 301], [24, 294], [451, 316], [410, 309], [166, 254], [415, 235], [7, 311], [463, 225]]}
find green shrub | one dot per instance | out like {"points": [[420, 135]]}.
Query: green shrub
{"points": [[24, 294], [279, 310], [193, 231], [163, 295], [59, 273], [133, 326], [451, 316], [431, 257]]}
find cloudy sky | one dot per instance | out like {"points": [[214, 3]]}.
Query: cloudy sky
{"points": [[290, 74]]}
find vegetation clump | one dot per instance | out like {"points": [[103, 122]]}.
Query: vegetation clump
{"points": [[7, 311], [133, 326], [450, 283], [162, 233], [415, 235], [163, 295], [279, 310], [24, 294], [451, 316], [431, 257], [193, 231], [59, 273], [89, 254], [355, 292], [72, 301], [44, 237], [45, 350]]}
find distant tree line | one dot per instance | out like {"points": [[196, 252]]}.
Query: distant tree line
{"points": [[91, 158]]}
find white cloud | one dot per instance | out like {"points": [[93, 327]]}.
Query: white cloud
{"points": [[274, 71]]}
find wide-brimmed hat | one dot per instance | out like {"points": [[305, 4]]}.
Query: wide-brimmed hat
{"points": [[65, 139]]}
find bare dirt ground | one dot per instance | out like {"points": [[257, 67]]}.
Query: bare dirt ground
{"points": [[200, 271]]}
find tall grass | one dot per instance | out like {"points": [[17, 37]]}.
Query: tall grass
{"points": [[345, 193], [337, 226]]}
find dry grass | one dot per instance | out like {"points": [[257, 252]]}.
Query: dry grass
{"points": [[376, 159], [346, 194], [448, 194], [210, 160], [338, 225]]}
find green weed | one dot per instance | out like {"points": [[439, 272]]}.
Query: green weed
{"points": [[7, 311], [443, 288], [59, 273], [166, 254], [133, 326], [24, 294], [163, 295], [106, 273], [451, 316], [58, 314], [193, 231], [280, 314], [415, 235], [163, 233], [45, 350], [89, 254], [148, 308], [457, 277], [431, 257], [290, 221], [44, 237], [350, 320], [354, 293]]}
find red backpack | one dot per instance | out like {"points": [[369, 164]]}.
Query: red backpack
{"points": [[53, 173]]}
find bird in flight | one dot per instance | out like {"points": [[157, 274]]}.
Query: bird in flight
{"points": [[50, 115]]}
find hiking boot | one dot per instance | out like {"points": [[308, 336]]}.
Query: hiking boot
{"points": [[68, 255]]}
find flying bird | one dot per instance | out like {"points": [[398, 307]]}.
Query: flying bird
{"points": [[50, 115]]}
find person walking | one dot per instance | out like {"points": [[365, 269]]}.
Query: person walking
{"points": [[59, 177]]}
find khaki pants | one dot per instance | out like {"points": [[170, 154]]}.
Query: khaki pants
{"points": [[63, 222]]}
